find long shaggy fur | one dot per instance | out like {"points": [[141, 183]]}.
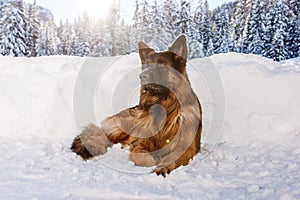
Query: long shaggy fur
{"points": [[164, 129]]}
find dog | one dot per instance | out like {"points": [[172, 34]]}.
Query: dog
{"points": [[164, 129]]}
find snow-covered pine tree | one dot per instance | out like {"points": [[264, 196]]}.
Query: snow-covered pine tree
{"points": [[293, 36], [276, 31], [72, 45], [82, 35], [136, 27], [106, 45], [59, 48], [124, 39], [254, 42], [146, 22], [32, 29], [47, 40], [196, 45], [2, 8], [203, 31], [184, 20], [13, 29], [159, 41], [210, 50], [66, 39], [113, 28], [207, 30], [97, 36], [221, 39], [168, 17], [238, 25], [185, 23], [100, 39], [269, 31], [294, 7]]}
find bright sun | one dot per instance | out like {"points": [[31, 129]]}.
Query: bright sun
{"points": [[94, 8]]}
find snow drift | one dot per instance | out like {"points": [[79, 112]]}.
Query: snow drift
{"points": [[257, 156]]}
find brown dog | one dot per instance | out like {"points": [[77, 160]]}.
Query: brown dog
{"points": [[164, 129]]}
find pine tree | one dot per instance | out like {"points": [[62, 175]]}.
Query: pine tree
{"points": [[59, 48], [168, 17], [82, 36], [196, 45], [221, 39], [239, 25], [66, 37], [136, 27], [184, 19], [294, 7], [293, 40], [107, 44], [47, 40], [159, 40], [97, 36], [207, 30], [146, 22], [32, 30], [293, 35], [185, 24], [123, 41], [254, 42], [113, 27], [269, 32], [13, 32], [276, 31], [2, 8]]}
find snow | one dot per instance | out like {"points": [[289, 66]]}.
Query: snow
{"points": [[257, 156]]}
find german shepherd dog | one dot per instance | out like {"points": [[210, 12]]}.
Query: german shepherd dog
{"points": [[164, 129]]}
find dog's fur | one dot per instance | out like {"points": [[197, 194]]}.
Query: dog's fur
{"points": [[164, 129]]}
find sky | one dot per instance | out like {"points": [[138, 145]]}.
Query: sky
{"points": [[71, 9]]}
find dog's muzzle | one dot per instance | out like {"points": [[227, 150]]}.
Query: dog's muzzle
{"points": [[153, 82]]}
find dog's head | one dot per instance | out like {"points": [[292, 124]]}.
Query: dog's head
{"points": [[162, 72]]}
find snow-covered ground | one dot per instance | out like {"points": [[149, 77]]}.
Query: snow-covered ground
{"points": [[257, 156]]}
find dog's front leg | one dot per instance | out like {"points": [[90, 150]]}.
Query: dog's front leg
{"points": [[182, 150], [94, 141], [174, 160]]}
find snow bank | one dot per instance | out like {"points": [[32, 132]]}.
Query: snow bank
{"points": [[258, 155], [262, 98], [36, 96]]}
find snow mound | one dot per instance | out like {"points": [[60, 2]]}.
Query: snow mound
{"points": [[262, 98], [257, 157], [36, 96]]}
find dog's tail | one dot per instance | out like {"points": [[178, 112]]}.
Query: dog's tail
{"points": [[91, 142]]}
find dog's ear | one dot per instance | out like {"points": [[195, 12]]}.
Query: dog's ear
{"points": [[179, 47], [144, 51]]}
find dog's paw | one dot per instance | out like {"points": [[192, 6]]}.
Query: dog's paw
{"points": [[91, 142], [78, 148], [162, 171]]}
